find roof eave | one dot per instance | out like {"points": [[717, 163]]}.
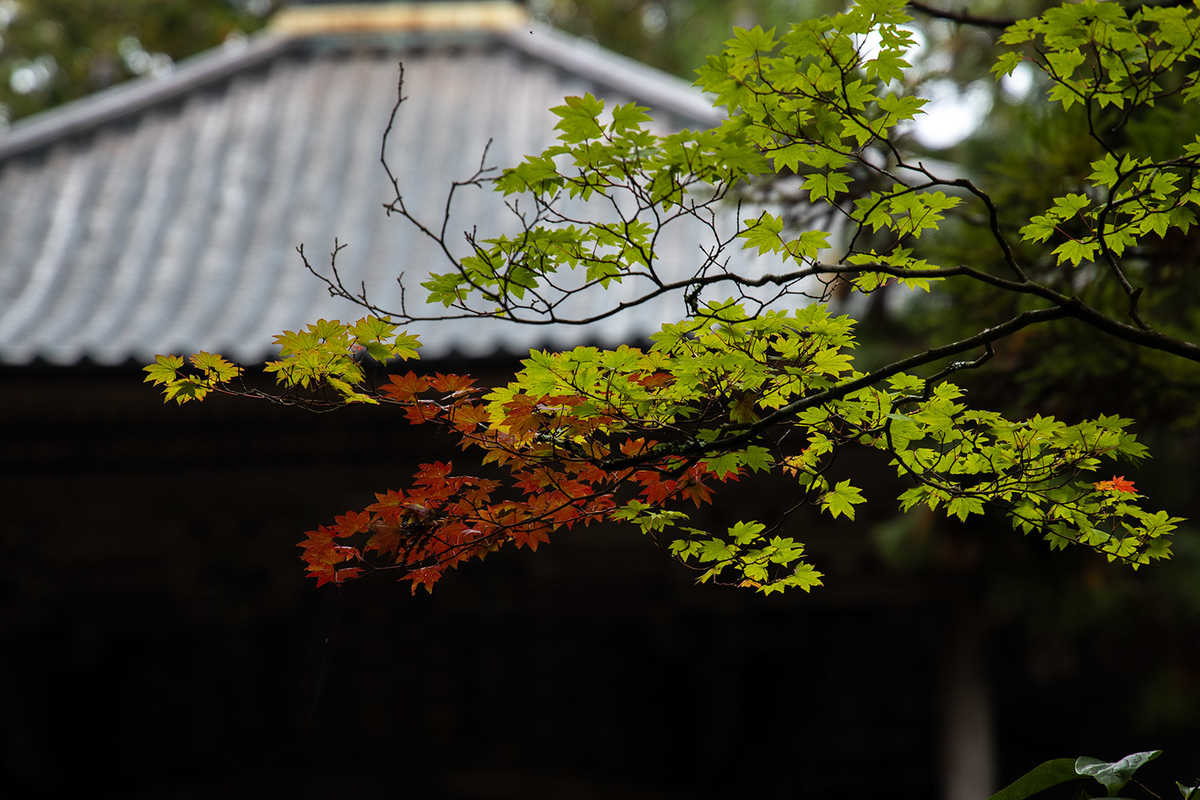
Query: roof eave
{"points": [[627, 76]]}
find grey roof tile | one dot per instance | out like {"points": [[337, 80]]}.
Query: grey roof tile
{"points": [[163, 216]]}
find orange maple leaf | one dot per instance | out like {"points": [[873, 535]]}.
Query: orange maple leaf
{"points": [[351, 522], [404, 388], [468, 417], [451, 383], [425, 576], [1117, 484]]}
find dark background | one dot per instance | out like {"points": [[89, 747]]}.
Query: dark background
{"points": [[158, 638]]}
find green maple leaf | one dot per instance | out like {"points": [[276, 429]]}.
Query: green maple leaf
{"points": [[163, 370], [579, 121], [842, 499], [763, 233]]}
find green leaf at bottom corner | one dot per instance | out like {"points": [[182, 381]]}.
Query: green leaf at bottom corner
{"points": [[1114, 775], [1038, 779]]}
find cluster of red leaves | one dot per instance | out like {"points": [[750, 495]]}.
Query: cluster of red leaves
{"points": [[444, 519]]}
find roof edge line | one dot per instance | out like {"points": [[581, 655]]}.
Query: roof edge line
{"points": [[652, 86], [483, 15], [123, 100]]}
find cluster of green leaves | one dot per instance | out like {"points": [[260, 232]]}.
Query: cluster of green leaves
{"points": [[1113, 65], [208, 372], [964, 459], [823, 102], [644, 178], [325, 355], [328, 352], [1097, 54], [817, 92], [1135, 197]]}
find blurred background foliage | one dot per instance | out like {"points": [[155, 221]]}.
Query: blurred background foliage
{"points": [[53, 51], [673, 35]]}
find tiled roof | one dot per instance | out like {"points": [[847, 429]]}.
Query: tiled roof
{"points": [[163, 216]]}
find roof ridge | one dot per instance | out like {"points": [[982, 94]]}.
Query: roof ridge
{"points": [[638, 81], [477, 15]]}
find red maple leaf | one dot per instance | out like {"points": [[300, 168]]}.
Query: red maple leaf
{"points": [[697, 492], [319, 547], [404, 388], [324, 573], [386, 538], [530, 535], [435, 472], [654, 488], [421, 411]]}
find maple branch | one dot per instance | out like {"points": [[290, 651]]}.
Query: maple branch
{"points": [[754, 429], [962, 17], [1000, 23]]}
